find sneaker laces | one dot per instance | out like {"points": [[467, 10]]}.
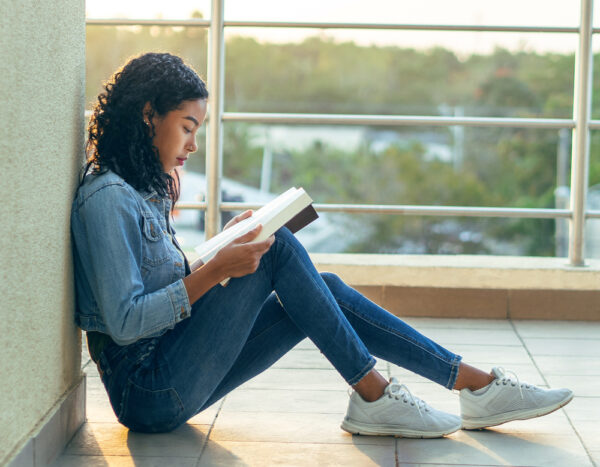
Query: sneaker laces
{"points": [[501, 375], [400, 391]]}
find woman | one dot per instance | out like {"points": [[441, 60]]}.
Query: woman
{"points": [[169, 341]]}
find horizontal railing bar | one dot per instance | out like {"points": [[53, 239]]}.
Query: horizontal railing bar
{"points": [[203, 23], [592, 215], [395, 120], [594, 124], [330, 119], [324, 25], [456, 211], [401, 26]]}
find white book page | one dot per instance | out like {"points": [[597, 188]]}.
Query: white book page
{"points": [[272, 216], [209, 248]]}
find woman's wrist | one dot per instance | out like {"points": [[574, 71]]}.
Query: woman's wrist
{"points": [[203, 279], [215, 270]]}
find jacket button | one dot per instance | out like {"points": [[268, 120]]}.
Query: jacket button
{"points": [[178, 264], [182, 314]]}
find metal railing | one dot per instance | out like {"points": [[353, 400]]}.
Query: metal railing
{"points": [[580, 124]]}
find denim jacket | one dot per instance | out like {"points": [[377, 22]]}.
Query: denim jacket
{"points": [[128, 270]]}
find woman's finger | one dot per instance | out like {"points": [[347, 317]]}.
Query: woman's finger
{"points": [[249, 236]]}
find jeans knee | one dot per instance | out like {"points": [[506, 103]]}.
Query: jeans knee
{"points": [[284, 234], [285, 237], [332, 280]]}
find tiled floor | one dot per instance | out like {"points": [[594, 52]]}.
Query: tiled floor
{"points": [[290, 414]]}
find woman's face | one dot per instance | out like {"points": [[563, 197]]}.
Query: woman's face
{"points": [[175, 133]]}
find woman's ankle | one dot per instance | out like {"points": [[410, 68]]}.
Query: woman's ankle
{"points": [[472, 378], [371, 386]]}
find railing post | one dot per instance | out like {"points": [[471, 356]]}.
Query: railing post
{"points": [[214, 143], [582, 98]]}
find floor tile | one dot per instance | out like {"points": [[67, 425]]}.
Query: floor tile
{"points": [[291, 401], [451, 336], [488, 447], [458, 323], [123, 461], [562, 347], [306, 344], [228, 453], [98, 406], [207, 416], [589, 430], [555, 423], [558, 329], [290, 414], [581, 385], [111, 439], [568, 365], [525, 371], [583, 408], [311, 359], [291, 379], [287, 428], [502, 355]]}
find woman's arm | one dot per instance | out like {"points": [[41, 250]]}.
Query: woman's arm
{"points": [[108, 237]]}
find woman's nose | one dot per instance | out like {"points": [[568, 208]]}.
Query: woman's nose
{"points": [[193, 146]]}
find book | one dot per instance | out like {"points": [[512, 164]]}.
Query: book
{"points": [[292, 209]]}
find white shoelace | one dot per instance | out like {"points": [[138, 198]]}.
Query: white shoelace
{"points": [[508, 379], [400, 391]]}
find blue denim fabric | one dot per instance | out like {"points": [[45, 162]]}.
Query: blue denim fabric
{"points": [[128, 271], [238, 331]]}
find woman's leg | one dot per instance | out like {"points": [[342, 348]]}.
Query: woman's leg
{"points": [[391, 339], [192, 360], [274, 334]]}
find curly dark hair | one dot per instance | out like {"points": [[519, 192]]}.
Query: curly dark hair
{"points": [[118, 137]]}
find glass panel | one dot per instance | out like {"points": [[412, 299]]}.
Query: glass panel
{"points": [[459, 166], [596, 77], [508, 12], [323, 75], [109, 48], [403, 165], [594, 180], [148, 9], [592, 230], [362, 233], [592, 226]]}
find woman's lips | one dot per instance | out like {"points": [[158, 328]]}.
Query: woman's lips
{"points": [[181, 160]]}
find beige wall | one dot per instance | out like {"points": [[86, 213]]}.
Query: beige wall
{"points": [[42, 44]]}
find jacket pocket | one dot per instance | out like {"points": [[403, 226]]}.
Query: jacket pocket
{"points": [[155, 245]]}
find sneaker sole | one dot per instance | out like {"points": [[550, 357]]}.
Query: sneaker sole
{"points": [[358, 428], [478, 423]]}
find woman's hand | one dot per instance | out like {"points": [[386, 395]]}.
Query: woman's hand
{"points": [[235, 260], [240, 258], [239, 217]]}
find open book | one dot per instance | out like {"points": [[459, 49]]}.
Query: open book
{"points": [[292, 209]]}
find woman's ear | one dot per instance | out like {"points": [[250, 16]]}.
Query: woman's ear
{"points": [[147, 112]]}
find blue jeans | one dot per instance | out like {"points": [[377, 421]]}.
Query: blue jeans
{"points": [[238, 331]]}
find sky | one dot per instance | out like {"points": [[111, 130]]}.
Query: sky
{"points": [[471, 12]]}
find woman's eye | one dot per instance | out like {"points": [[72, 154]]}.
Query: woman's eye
{"points": [[187, 130]]}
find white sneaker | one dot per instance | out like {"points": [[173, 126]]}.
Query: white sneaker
{"points": [[397, 413], [506, 399]]}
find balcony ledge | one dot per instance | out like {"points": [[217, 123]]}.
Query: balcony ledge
{"points": [[461, 271]]}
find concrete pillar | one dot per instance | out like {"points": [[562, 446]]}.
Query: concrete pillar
{"points": [[42, 72]]}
